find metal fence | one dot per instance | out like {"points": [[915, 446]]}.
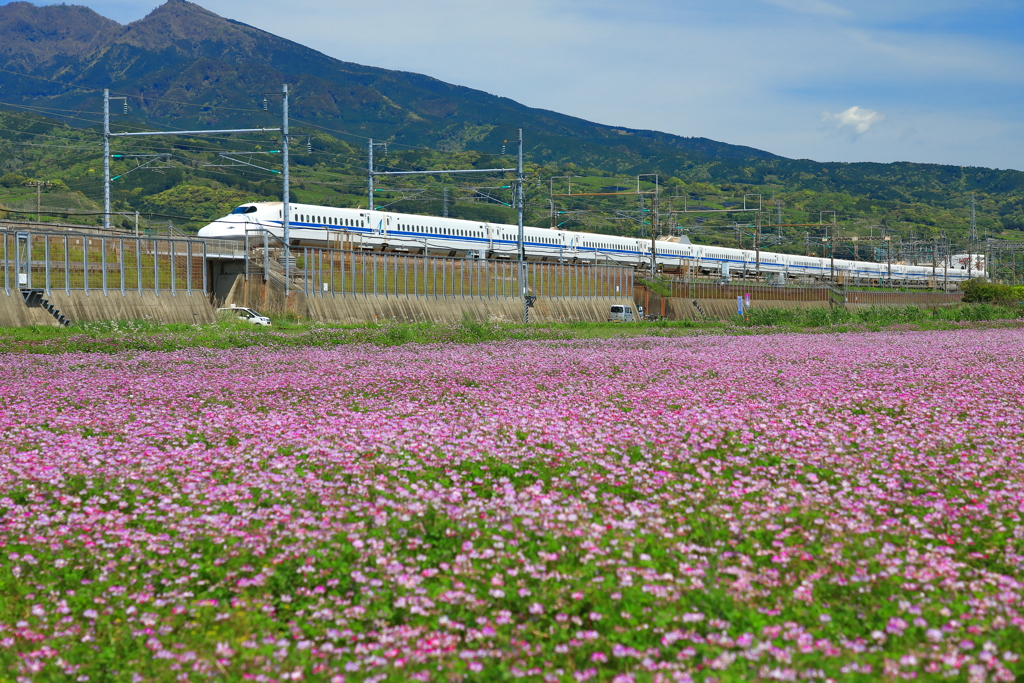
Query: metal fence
{"points": [[707, 289], [332, 272], [900, 298], [809, 292], [101, 264]]}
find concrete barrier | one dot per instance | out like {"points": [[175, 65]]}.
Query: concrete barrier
{"points": [[269, 298], [362, 309], [14, 312], [164, 307], [724, 309]]}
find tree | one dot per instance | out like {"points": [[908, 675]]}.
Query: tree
{"points": [[13, 180]]}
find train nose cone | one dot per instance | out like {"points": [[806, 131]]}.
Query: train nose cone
{"points": [[222, 227], [208, 230]]}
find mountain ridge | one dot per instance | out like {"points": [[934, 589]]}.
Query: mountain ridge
{"points": [[180, 31]]}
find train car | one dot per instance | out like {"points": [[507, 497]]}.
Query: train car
{"points": [[370, 230]]}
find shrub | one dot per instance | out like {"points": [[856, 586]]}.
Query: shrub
{"points": [[979, 291]]}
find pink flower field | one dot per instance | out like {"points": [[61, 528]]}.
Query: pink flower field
{"points": [[781, 507]]}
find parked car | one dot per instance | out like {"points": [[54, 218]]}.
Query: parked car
{"points": [[621, 314], [246, 314]]}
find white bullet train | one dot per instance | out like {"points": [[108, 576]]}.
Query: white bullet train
{"points": [[362, 229]]}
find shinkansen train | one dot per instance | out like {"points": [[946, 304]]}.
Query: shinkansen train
{"points": [[363, 229]]}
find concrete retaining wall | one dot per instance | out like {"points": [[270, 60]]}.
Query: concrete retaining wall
{"points": [[411, 309], [354, 309], [132, 305], [680, 308], [723, 309], [14, 312]]}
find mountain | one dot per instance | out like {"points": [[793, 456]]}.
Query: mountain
{"points": [[185, 67], [181, 52]]}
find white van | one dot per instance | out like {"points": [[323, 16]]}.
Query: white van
{"points": [[246, 314], [621, 314]]}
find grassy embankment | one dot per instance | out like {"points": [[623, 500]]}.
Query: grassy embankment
{"points": [[146, 336]]}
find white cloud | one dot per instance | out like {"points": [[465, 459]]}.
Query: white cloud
{"points": [[856, 118]]}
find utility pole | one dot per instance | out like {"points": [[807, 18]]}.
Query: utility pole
{"points": [[444, 208], [757, 243], [888, 258], [286, 209], [970, 240], [778, 209], [369, 200], [521, 237], [935, 256], [106, 159], [832, 254], [654, 230], [38, 184]]}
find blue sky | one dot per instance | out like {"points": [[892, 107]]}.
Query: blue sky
{"points": [[938, 81]]}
